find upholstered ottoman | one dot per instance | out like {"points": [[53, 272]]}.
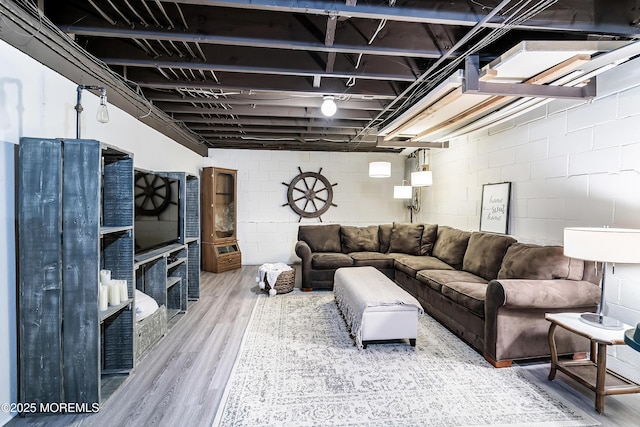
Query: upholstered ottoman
{"points": [[374, 307]]}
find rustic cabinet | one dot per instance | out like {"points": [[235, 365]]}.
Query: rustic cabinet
{"points": [[75, 217], [220, 249]]}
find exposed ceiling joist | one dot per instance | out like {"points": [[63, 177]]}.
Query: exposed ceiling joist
{"points": [[434, 12], [256, 70], [260, 68], [129, 33]]}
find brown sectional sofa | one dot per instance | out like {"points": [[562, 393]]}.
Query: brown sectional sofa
{"points": [[487, 288]]}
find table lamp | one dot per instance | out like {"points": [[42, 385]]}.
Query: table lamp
{"points": [[615, 245]]}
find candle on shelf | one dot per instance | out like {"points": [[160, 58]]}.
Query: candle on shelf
{"points": [[103, 301], [114, 293], [105, 277], [124, 294]]}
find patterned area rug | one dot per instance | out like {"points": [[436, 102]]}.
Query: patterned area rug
{"points": [[298, 366]]}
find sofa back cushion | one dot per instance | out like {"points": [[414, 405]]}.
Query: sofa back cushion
{"points": [[321, 238], [451, 245], [360, 239], [526, 261], [429, 235], [485, 253], [384, 234], [406, 238]]}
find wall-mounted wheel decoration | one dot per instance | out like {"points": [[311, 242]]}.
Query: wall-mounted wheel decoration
{"points": [[310, 194], [152, 194]]}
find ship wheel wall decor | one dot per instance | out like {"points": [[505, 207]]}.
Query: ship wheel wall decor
{"points": [[152, 194], [310, 194]]}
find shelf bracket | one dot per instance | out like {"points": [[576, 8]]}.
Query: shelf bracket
{"points": [[474, 85]]}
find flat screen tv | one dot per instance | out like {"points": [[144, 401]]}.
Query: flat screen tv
{"points": [[156, 213]]}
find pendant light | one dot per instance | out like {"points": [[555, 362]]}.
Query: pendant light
{"points": [[379, 169]]}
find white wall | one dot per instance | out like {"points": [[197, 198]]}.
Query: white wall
{"points": [[267, 231], [571, 163], [37, 102]]}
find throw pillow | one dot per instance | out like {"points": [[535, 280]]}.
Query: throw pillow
{"points": [[321, 238], [385, 237], [484, 254], [429, 235], [451, 245], [526, 261], [406, 238], [360, 239]]}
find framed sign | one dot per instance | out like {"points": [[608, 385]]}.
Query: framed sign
{"points": [[494, 213]]}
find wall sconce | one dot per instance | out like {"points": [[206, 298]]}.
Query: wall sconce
{"points": [[379, 169], [328, 106], [403, 191], [102, 115]]}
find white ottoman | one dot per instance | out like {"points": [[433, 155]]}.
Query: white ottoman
{"points": [[374, 307]]}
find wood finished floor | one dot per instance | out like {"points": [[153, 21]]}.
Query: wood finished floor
{"points": [[181, 381]]}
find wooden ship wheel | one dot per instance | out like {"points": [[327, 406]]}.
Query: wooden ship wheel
{"points": [[310, 194], [152, 194]]}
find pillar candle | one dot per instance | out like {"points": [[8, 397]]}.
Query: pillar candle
{"points": [[103, 298], [114, 293], [105, 277], [124, 294]]}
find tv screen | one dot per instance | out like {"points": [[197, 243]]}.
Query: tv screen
{"points": [[156, 215]]}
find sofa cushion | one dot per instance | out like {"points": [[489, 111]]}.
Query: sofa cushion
{"points": [[484, 254], [429, 235], [451, 245], [411, 264], [373, 259], [358, 239], [321, 238], [467, 294], [406, 238], [384, 234], [330, 260], [526, 261], [435, 279]]}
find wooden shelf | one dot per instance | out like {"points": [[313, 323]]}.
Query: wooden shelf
{"points": [[172, 281], [104, 315], [104, 230], [176, 263], [50, 369]]}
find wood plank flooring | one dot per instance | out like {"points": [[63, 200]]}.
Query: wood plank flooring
{"points": [[181, 381]]}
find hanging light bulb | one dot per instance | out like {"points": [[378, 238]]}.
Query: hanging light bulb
{"points": [[328, 106], [103, 114]]}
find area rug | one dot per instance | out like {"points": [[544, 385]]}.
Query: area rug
{"points": [[298, 366]]}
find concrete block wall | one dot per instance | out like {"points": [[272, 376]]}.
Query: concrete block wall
{"points": [[571, 163], [267, 231]]}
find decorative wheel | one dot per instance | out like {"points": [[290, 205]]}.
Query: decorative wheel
{"points": [[152, 194], [310, 194]]}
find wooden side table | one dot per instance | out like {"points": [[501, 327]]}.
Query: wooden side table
{"points": [[592, 373]]}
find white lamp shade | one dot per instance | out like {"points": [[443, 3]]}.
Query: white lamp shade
{"points": [[421, 178], [380, 169], [328, 106], [402, 192], [618, 245]]}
